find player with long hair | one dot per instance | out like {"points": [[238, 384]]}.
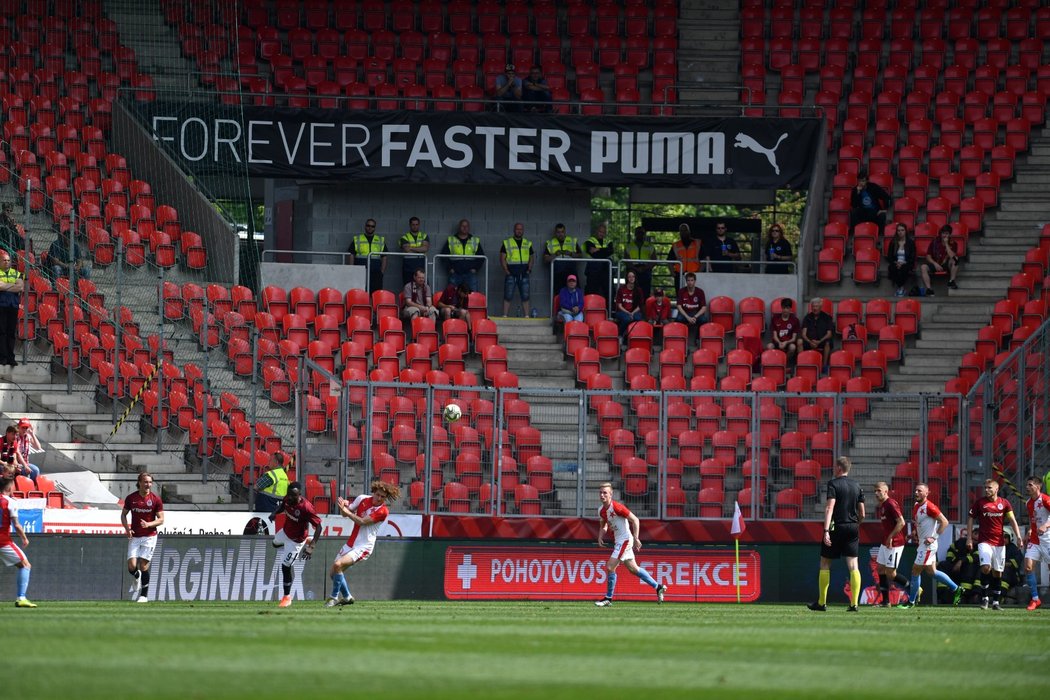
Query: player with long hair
{"points": [[367, 513]]}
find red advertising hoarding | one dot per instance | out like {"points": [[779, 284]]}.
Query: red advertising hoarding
{"points": [[566, 573]]}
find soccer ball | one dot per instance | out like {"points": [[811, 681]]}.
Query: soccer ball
{"points": [[452, 413]]}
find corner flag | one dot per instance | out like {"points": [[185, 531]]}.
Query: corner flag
{"points": [[738, 526]]}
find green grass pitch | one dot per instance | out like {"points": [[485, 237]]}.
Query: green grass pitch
{"points": [[405, 649]]}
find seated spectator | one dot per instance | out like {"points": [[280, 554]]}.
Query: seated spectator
{"points": [[778, 251], [570, 301], [692, 306], [60, 260], [8, 447], [901, 259], [454, 302], [26, 444], [658, 309], [817, 330], [535, 93], [868, 202], [941, 256], [963, 567], [784, 329], [12, 235], [508, 90], [627, 304], [419, 300]]}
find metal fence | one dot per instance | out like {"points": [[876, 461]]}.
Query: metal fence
{"points": [[526, 452]]}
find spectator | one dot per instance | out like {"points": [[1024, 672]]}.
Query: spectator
{"points": [[778, 251], [868, 202], [369, 243], [720, 249], [26, 444], [10, 298], [12, 235], [942, 255], [628, 302], [687, 251], [963, 567], [784, 329], [641, 249], [419, 300], [692, 306], [817, 330], [454, 303], [508, 90], [516, 256], [8, 448], [535, 93], [901, 259], [561, 246], [272, 486], [598, 247], [60, 260], [415, 241], [464, 270], [658, 309], [570, 301]]}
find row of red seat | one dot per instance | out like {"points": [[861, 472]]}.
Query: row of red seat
{"points": [[1026, 20]]}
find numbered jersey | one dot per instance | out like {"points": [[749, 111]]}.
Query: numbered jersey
{"points": [[365, 535]]}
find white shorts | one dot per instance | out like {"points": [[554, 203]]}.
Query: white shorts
{"points": [[353, 554], [11, 555], [889, 557], [289, 548], [623, 550], [142, 547], [926, 554], [1038, 552], [991, 555]]}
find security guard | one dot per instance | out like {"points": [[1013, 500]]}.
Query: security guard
{"points": [[598, 273], [360, 247], [641, 249], [516, 257], [10, 297], [271, 487], [415, 241], [686, 250], [561, 246], [463, 270]]}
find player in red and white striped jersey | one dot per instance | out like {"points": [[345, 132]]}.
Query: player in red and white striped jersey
{"points": [[929, 524], [989, 511], [10, 553], [368, 514], [1038, 536], [623, 524]]}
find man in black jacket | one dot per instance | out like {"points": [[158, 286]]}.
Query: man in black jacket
{"points": [[868, 202]]}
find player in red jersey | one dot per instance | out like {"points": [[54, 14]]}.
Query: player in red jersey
{"points": [[892, 546], [299, 514], [989, 511], [10, 554], [368, 514], [929, 524], [147, 514], [623, 524], [1038, 536]]}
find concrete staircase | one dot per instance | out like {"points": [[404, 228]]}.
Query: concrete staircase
{"points": [[709, 55], [141, 26], [537, 356]]}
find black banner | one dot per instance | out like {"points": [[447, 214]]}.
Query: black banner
{"points": [[471, 148]]}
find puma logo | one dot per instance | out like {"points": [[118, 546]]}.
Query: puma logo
{"points": [[745, 141]]}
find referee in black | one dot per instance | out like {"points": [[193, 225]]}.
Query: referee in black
{"points": [[843, 514]]}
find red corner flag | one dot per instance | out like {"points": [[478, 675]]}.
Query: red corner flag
{"points": [[738, 526]]}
